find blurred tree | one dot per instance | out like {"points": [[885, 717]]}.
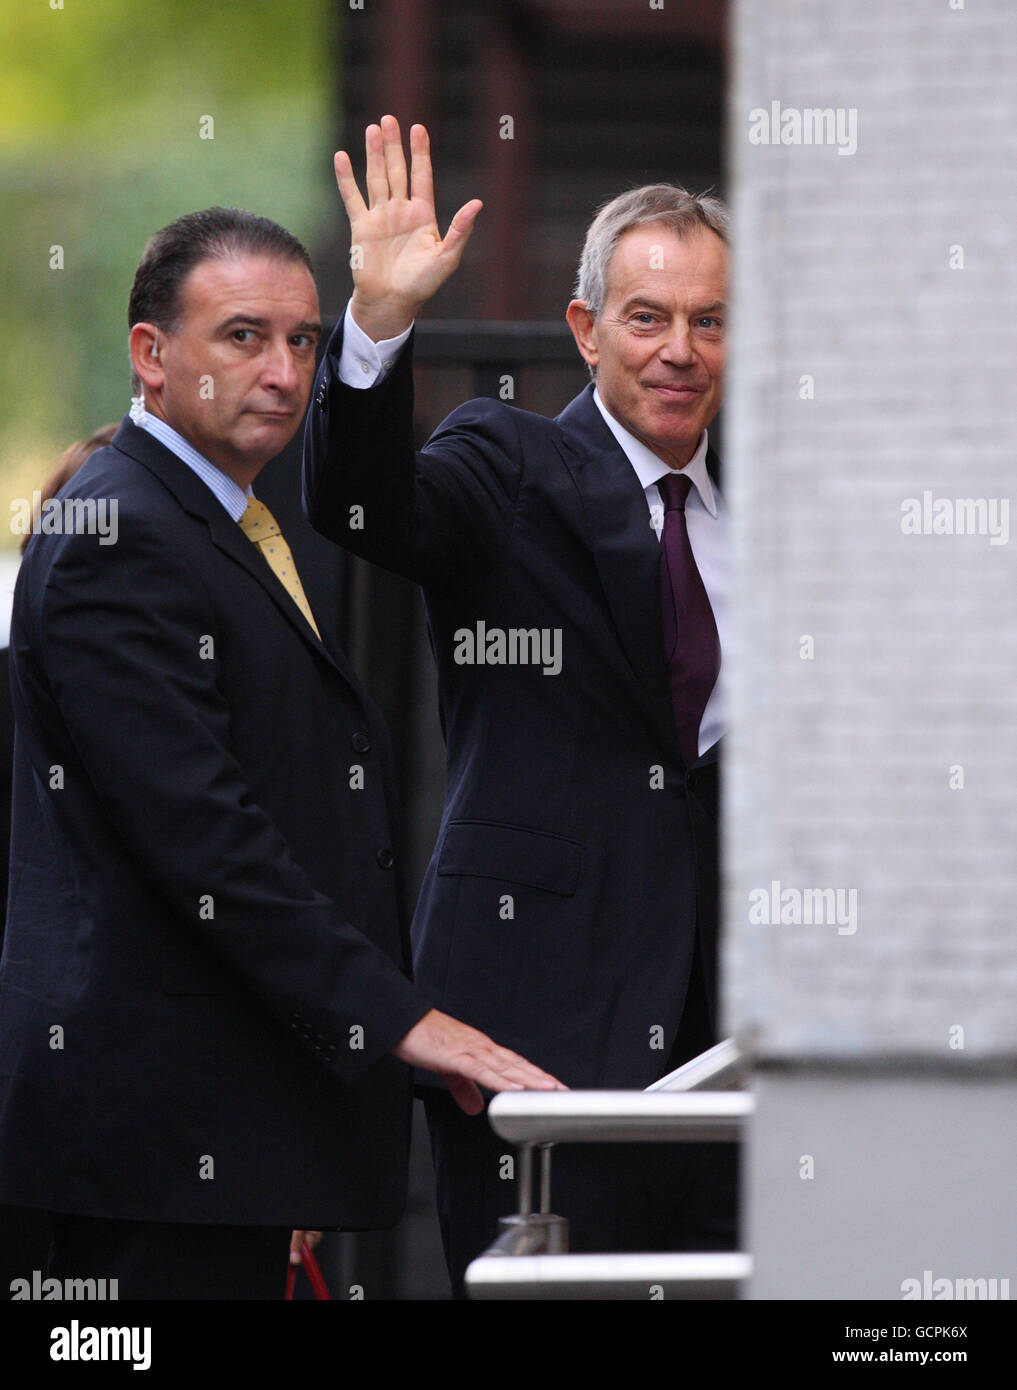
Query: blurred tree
{"points": [[118, 116]]}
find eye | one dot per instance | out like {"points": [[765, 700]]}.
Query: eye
{"points": [[242, 335], [710, 320], [302, 340], [644, 318]]}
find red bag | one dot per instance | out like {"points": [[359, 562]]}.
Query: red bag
{"points": [[314, 1276]]}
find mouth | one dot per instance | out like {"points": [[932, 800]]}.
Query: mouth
{"points": [[674, 392], [273, 414]]}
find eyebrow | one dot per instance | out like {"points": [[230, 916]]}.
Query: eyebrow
{"points": [[253, 321], [644, 301]]}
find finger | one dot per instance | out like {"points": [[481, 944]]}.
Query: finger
{"points": [[353, 202], [465, 1094], [395, 160], [461, 229], [499, 1076], [311, 1239], [512, 1072], [296, 1241], [503, 1059], [497, 1079], [421, 176], [377, 178]]}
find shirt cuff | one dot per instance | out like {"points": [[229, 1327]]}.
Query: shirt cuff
{"points": [[364, 362]]}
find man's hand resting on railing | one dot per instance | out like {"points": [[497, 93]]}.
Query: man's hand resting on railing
{"points": [[467, 1059]]}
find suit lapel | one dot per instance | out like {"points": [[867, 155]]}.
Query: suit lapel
{"points": [[626, 551], [194, 497]]}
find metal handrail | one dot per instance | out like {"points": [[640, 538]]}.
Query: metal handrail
{"points": [[529, 1260], [720, 1068], [646, 1277], [552, 1117]]}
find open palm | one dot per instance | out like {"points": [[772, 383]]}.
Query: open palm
{"points": [[398, 255]]}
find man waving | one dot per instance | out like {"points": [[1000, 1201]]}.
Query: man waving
{"points": [[574, 572]]}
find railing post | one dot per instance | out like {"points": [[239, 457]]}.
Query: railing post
{"points": [[545, 1178]]}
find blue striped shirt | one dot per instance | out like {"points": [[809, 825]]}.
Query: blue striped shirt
{"points": [[230, 494]]}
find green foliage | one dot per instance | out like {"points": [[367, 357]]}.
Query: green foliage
{"points": [[101, 143]]}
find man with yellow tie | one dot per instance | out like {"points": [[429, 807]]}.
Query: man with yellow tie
{"points": [[204, 1011]]}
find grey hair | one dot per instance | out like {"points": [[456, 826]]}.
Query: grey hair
{"points": [[668, 203]]}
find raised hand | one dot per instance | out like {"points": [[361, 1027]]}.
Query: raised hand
{"points": [[467, 1059], [398, 256]]}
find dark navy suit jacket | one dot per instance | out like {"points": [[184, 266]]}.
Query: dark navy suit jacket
{"points": [[577, 855], [203, 970]]}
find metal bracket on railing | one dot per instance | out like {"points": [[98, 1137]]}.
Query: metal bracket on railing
{"points": [[532, 1232]]}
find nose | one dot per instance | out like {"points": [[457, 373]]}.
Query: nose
{"points": [[279, 369], [677, 347]]}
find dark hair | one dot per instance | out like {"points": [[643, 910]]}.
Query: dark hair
{"points": [[173, 252]]}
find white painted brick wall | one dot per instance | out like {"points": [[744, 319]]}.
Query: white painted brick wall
{"points": [[838, 767]]}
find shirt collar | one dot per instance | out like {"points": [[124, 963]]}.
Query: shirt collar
{"points": [[650, 469], [232, 496]]}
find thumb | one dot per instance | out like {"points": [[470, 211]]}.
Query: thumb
{"points": [[461, 229]]}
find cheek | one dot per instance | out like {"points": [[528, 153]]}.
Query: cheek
{"points": [[624, 373]]}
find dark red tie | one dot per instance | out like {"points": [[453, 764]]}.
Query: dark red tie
{"points": [[691, 644]]}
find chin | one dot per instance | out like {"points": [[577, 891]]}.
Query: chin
{"points": [[280, 431]]}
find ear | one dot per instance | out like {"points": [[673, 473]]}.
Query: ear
{"points": [[584, 330], [144, 346]]}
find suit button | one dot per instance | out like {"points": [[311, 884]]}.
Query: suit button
{"points": [[360, 742], [385, 858]]}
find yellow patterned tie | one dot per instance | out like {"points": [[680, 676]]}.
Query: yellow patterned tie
{"points": [[259, 525]]}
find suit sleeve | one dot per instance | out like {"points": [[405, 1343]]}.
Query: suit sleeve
{"points": [[120, 638], [440, 517]]}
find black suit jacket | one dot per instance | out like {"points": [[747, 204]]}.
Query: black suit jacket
{"points": [[576, 853], [203, 970]]}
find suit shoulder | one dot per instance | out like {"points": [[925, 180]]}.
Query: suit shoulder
{"points": [[112, 514], [109, 485], [498, 414], [110, 472], [495, 427]]}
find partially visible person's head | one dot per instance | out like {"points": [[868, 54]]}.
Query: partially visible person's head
{"points": [[650, 310], [68, 464], [224, 321]]}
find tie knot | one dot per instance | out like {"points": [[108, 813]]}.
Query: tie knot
{"points": [[257, 522], [674, 488]]}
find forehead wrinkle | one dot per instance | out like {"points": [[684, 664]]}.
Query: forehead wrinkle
{"points": [[700, 256], [218, 279]]}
